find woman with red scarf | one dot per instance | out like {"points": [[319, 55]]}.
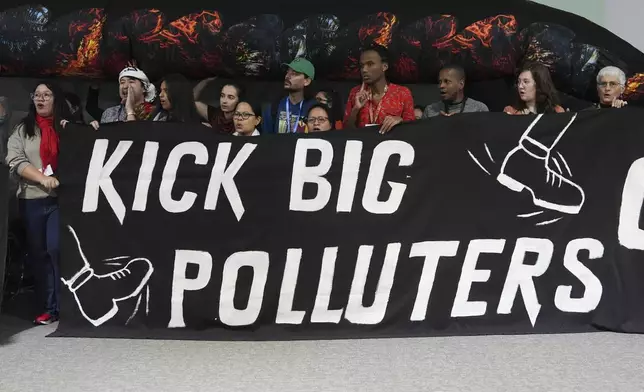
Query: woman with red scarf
{"points": [[33, 156]]}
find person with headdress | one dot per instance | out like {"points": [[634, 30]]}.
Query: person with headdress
{"points": [[137, 98]]}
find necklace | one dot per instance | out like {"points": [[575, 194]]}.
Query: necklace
{"points": [[373, 118]]}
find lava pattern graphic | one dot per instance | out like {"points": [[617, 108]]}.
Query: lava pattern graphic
{"points": [[87, 43]]}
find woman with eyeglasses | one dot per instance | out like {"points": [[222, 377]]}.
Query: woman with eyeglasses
{"points": [[611, 82], [331, 99], [536, 93], [247, 118], [320, 119], [33, 156]]}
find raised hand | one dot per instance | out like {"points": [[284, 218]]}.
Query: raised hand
{"points": [[361, 98], [618, 103], [129, 101]]}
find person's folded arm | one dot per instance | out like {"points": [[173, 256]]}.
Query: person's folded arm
{"points": [[17, 159]]}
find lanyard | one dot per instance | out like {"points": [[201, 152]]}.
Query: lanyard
{"points": [[288, 116], [462, 106], [373, 119]]}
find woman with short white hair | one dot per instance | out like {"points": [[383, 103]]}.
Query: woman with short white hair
{"points": [[611, 82]]}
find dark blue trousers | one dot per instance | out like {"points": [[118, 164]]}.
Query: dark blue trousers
{"points": [[41, 219]]}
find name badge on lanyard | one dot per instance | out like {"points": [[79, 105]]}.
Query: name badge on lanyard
{"points": [[288, 116]]}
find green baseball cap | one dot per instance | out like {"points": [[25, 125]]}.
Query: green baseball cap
{"points": [[303, 66]]}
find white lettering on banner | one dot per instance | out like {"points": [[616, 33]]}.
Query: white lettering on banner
{"points": [[303, 174], [230, 315], [181, 284], [200, 152], [98, 177], [350, 171], [463, 307], [224, 177], [520, 276], [356, 312], [593, 286], [321, 312], [431, 251], [383, 152], [285, 312], [628, 231], [381, 155], [145, 176]]}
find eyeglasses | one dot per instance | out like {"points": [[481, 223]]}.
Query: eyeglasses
{"points": [[313, 120], [243, 115], [44, 97], [609, 84]]}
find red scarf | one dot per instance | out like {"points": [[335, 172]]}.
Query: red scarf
{"points": [[48, 142]]}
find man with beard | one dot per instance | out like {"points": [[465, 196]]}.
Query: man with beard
{"points": [[137, 97], [451, 82], [377, 102], [287, 115]]}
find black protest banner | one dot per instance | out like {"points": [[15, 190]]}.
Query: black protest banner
{"points": [[478, 223], [4, 214]]}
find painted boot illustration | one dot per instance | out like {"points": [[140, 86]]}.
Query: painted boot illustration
{"points": [[98, 296], [527, 167]]}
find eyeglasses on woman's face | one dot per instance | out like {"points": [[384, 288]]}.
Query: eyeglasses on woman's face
{"points": [[314, 120], [41, 96], [243, 115]]}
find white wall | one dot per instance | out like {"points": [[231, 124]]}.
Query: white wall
{"points": [[624, 18]]}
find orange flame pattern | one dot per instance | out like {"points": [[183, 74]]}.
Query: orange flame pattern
{"points": [[185, 27], [634, 86], [445, 40], [481, 31], [481, 44], [85, 61], [383, 31]]}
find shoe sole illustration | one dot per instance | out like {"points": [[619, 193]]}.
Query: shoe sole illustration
{"points": [[516, 186]]}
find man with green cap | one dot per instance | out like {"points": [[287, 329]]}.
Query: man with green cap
{"points": [[287, 115]]}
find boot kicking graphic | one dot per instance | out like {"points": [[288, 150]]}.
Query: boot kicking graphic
{"points": [[98, 296], [527, 167]]}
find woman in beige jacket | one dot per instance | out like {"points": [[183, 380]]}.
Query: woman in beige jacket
{"points": [[32, 154]]}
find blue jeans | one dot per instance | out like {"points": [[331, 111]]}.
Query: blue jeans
{"points": [[41, 218]]}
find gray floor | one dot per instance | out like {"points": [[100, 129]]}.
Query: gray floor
{"points": [[582, 362]]}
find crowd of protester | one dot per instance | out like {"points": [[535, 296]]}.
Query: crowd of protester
{"points": [[31, 148]]}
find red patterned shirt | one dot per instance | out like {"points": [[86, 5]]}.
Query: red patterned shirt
{"points": [[397, 102]]}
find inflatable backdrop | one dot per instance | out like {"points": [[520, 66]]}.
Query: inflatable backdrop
{"points": [[253, 38]]}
